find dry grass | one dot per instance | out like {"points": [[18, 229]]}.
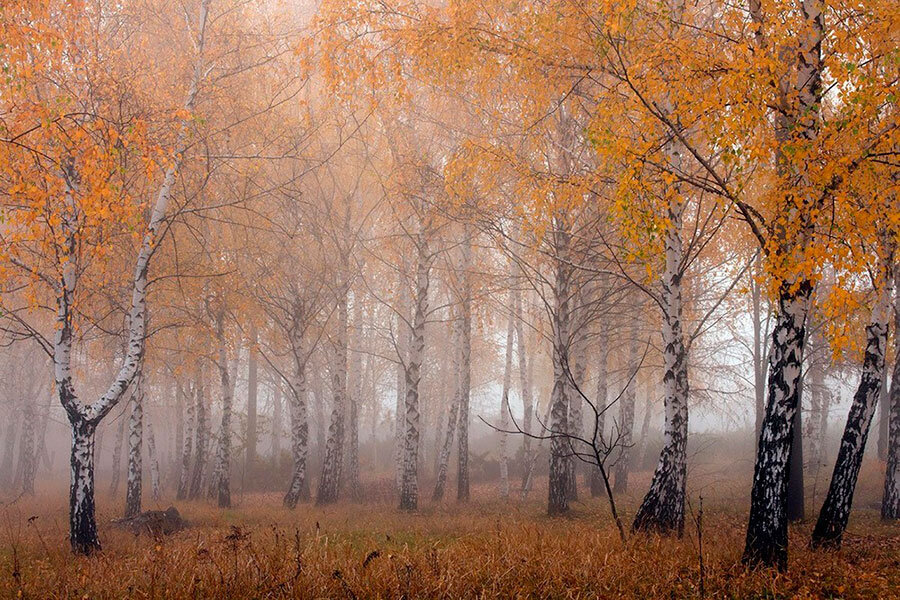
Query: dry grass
{"points": [[484, 550]]}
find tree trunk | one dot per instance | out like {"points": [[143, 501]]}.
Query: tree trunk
{"points": [[9, 448], [409, 483], [626, 417], [187, 444], [836, 510], [662, 509], [598, 488], [222, 471], [759, 355], [560, 445], [202, 444], [330, 483], [795, 493], [178, 442], [26, 453], [299, 485], [154, 462], [277, 416], [82, 526], [766, 541], [504, 405], [575, 427], [356, 376], [884, 417], [452, 417], [818, 394], [890, 501], [465, 380], [524, 390], [135, 447], [252, 395]]}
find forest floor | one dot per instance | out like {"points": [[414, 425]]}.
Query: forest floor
{"points": [[484, 549]]}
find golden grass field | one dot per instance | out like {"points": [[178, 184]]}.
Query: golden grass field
{"points": [[486, 549]]}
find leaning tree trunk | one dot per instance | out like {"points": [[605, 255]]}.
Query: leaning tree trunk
{"points": [[409, 483], [504, 406], [330, 484], [26, 449], [890, 501], [766, 541], [662, 509], [202, 444], [560, 446], [836, 510], [452, 417], [154, 463], [187, 444], [626, 417], [465, 379], [135, 447]]}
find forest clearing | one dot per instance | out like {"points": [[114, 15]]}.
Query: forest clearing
{"points": [[449, 299], [486, 549]]}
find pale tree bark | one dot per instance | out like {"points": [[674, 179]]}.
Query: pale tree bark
{"points": [[835, 511], [558, 492], [154, 462], [252, 396], [178, 442], [409, 483], [818, 393], [662, 509], [453, 414], [890, 500], [402, 344], [504, 404], [576, 372], [330, 483], [84, 418], [221, 478], [597, 484], [134, 481], [117, 458], [9, 447], [465, 379], [299, 409], [202, 443], [524, 389], [26, 448], [186, 448], [356, 376], [760, 350], [277, 416], [626, 415]]}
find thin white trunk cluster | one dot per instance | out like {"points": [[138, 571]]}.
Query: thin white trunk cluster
{"points": [[333, 464]]}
